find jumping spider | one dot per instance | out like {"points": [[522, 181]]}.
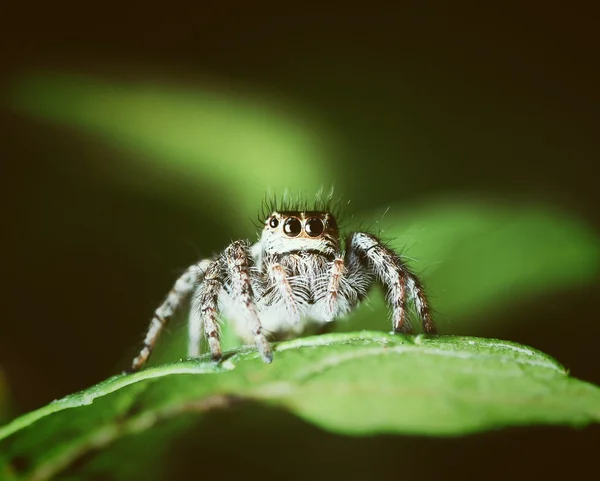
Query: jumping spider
{"points": [[295, 279]]}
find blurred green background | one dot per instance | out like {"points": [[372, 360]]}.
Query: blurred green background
{"points": [[137, 140]]}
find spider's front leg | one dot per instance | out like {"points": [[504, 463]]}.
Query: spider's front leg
{"points": [[367, 251], [229, 272]]}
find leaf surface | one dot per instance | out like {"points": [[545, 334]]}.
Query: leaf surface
{"points": [[353, 383]]}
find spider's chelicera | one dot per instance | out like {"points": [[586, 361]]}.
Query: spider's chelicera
{"points": [[297, 278]]}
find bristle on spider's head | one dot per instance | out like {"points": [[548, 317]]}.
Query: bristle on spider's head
{"points": [[300, 202]]}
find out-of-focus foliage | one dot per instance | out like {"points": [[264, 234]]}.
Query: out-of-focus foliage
{"points": [[476, 257], [356, 383], [237, 144]]}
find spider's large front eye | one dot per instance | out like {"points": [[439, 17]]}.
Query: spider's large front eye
{"points": [[273, 222], [292, 227], [314, 227]]}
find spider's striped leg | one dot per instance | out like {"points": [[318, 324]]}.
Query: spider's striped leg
{"points": [[417, 292], [347, 284], [396, 277], [182, 288], [195, 322], [229, 272], [205, 308], [237, 260]]}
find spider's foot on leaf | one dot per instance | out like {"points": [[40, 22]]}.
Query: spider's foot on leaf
{"points": [[402, 330], [264, 347], [131, 370]]}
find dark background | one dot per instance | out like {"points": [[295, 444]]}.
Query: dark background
{"points": [[493, 103]]}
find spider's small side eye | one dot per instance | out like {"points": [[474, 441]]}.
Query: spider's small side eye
{"points": [[273, 222], [292, 227], [314, 227]]}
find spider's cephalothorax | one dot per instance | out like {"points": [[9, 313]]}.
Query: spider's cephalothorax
{"points": [[295, 279]]}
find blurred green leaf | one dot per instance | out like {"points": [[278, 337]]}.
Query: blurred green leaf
{"points": [[356, 383], [238, 145], [477, 258]]}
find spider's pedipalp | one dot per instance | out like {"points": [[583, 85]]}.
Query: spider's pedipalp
{"points": [[338, 269], [280, 279]]}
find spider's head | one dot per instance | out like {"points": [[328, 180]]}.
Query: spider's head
{"points": [[296, 231]]}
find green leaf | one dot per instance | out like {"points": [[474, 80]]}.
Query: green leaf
{"points": [[355, 383]]}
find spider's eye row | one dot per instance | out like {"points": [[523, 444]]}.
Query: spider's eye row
{"points": [[292, 227], [274, 222], [314, 227]]}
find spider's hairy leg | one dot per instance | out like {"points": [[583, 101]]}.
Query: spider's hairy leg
{"points": [[279, 279], [237, 259], [195, 320], [182, 288], [204, 309], [396, 277], [337, 271], [417, 292]]}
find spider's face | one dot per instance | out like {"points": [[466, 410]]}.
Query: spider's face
{"points": [[295, 231]]}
